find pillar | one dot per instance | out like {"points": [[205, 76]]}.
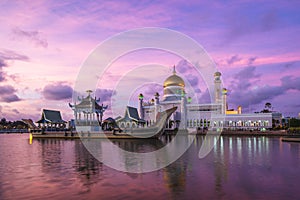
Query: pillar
{"points": [[217, 87], [183, 111], [141, 108]]}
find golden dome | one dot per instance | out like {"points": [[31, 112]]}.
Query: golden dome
{"points": [[217, 74], [174, 80]]}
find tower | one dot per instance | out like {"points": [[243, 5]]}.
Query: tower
{"points": [[141, 108], [217, 82], [156, 104], [224, 101], [183, 117]]}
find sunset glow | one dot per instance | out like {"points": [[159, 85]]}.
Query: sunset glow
{"points": [[44, 43]]}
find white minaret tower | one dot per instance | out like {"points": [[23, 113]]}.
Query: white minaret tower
{"points": [[218, 91], [141, 108], [183, 111], [156, 104], [224, 101]]}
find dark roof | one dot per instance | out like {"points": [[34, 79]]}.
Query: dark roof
{"points": [[133, 113], [117, 118], [51, 116], [109, 120]]}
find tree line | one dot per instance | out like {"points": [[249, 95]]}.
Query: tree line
{"points": [[10, 125]]}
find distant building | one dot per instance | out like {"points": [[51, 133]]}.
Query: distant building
{"points": [[276, 119], [51, 118]]}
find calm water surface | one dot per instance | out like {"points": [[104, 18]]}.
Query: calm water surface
{"points": [[237, 168]]}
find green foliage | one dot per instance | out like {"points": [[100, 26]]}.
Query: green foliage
{"points": [[294, 122], [7, 125]]}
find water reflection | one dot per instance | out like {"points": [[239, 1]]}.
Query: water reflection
{"points": [[237, 168], [139, 146], [175, 177], [60, 157]]}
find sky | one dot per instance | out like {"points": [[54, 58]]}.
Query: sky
{"points": [[43, 44]]}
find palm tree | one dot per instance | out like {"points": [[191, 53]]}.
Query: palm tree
{"points": [[268, 105]]}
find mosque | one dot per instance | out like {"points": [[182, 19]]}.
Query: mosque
{"points": [[188, 116], [194, 116]]}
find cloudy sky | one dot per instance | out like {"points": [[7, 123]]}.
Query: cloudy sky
{"points": [[255, 45]]}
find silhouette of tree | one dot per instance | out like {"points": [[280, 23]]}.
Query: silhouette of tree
{"points": [[268, 105], [267, 108]]}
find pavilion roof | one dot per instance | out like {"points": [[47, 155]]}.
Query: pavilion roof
{"points": [[51, 116], [87, 102], [132, 114]]}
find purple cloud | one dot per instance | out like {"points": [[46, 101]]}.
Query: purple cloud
{"points": [[32, 36], [251, 60], [183, 66], [2, 76], [289, 82], [11, 55], [233, 59], [15, 111], [104, 94], [188, 71], [7, 94], [193, 80], [251, 23], [244, 92], [289, 65], [57, 91], [2, 63], [246, 73], [152, 89]]}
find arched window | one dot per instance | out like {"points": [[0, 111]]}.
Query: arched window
{"points": [[133, 125], [122, 124]]}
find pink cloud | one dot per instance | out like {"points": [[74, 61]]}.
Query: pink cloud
{"points": [[266, 38]]}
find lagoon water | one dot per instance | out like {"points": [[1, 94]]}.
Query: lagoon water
{"points": [[237, 168]]}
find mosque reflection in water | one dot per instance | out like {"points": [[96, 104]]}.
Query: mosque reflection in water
{"points": [[235, 162]]}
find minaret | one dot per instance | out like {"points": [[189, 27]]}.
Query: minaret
{"points": [[183, 111], [218, 83], [156, 104], [239, 110], [224, 101], [141, 108]]}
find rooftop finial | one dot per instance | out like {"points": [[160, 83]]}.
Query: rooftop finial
{"points": [[89, 92], [174, 71]]}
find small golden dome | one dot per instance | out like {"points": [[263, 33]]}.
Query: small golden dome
{"points": [[217, 74], [174, 80]]}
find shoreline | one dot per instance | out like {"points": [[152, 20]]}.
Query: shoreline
{"points": [[74, 135]]}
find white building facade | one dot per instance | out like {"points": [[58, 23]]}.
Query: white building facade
{"points": [[199, 116]]}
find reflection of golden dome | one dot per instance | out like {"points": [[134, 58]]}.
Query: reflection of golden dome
{"points": [[174, 80]]}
